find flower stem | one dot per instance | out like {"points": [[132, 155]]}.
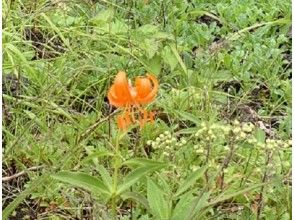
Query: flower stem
{"points": [[115, 178]]}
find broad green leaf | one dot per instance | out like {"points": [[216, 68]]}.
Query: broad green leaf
{"points": [[158, 205], [169, 57], [136, 197], [150, 46], [153, 65], [165, 185], [192, 178], [135, 175], [118, 27], [82, 180], [103, 17]]}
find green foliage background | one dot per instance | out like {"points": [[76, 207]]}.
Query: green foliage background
{"points": [[217, 62]]}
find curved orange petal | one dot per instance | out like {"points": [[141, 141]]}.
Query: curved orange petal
{"points": [[113, 99], [119, 93], [143, 86], [150, 96], [121, 87]]}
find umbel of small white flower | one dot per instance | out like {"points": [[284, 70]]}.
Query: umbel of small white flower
{"points": [[240, 132], [211, 132], [166, 141], [272, 144]]}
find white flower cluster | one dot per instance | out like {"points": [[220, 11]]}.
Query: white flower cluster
{"points": [[243, 131], [166, 141], [210, 132], [239, 130], [271, 144]]}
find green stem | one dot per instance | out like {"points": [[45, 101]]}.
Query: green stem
{"points": [[115, 178], [113, 207]]}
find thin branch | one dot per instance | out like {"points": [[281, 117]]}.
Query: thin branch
{"points": [[8, 178]]}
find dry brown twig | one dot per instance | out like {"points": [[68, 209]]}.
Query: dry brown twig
{"points": [[8, 178]]}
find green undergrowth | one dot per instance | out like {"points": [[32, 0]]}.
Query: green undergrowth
{"points": [[220, 145]]}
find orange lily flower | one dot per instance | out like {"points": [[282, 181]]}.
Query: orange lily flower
{"points": [[131, 98]]}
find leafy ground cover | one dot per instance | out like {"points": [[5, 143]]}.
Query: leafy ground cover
{"points": [[219, 147]]}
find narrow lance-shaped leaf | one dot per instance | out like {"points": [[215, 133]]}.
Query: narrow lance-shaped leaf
{"points": [[107, 180], [135, 175], [158, 205], [234, 194], [181, 211], [187, 116], [136, 197], [82, 180], [198, 204], [142, 162], [192, 178], [183, 66]]}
